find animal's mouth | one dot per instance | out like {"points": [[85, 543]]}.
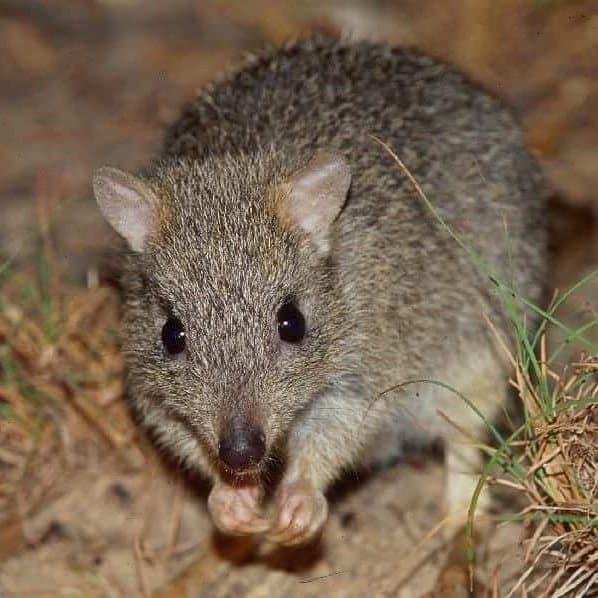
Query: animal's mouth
{"points": [[265, 472], [247, 477]]}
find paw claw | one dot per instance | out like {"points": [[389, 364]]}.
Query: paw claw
{"points": [[236, 511], [301, 511]]}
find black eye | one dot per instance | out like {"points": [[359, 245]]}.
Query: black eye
{"points": [[291, 323], [173, 336]]}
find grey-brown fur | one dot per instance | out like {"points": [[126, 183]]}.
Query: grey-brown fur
{"points": [[396, 298]]}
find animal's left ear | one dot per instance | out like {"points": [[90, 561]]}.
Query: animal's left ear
{"points": [[316, 194]]}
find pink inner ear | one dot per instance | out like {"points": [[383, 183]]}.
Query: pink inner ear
{"points": [[318, 192], [126, 203]]}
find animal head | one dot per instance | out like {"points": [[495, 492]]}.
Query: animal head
{"points": [[232, 319]]}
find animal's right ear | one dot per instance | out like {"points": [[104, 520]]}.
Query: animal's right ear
{"points": [[127, 203]]}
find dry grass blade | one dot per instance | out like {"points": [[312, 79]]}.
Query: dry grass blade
{"points": [[561, 458]]}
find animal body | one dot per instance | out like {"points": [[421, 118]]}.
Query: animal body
{"points": [[283, 273]]}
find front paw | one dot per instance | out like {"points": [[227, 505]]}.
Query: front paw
{"points": [[236, 511], [299, 513]]}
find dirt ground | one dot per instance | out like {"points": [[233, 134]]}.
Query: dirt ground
{"points": [[94, 82]]}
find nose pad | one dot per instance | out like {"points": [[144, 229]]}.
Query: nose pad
{"points": [[241, 445]]}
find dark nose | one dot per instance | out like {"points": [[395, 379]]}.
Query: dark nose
{"points": [[241, 446]]}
